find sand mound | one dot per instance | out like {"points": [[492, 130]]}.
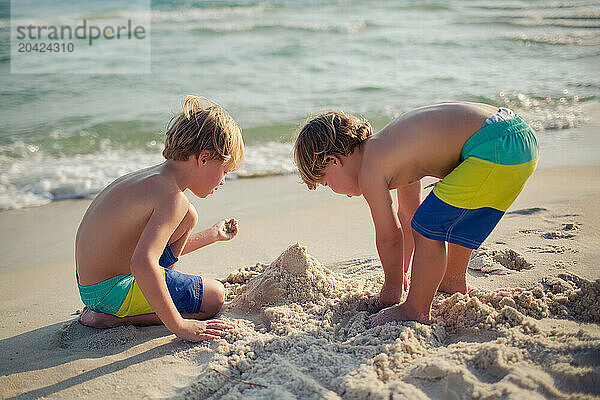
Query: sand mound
{"points": [[294, 277], [313, 340], [499, 262], [236, 282]]}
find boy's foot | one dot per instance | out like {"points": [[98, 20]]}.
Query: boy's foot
{"points": [[389, 296], [398, 313], [97, 320], [454, 286]]}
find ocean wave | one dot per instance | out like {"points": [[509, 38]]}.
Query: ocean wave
{"points": [[155, 15], [75, 135], [267, 159], [430, 6], [557, 39], [545, 113], [582, 16], [526, 22], [350, 27], [202, 14], [39, 179], [553, 22], [519, 5], [368, 89], [106, 18], [7, 24]]}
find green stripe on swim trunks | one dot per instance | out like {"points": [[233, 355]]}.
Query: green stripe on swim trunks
{"points": [[509, 142], [106, 296], [477, 183]]}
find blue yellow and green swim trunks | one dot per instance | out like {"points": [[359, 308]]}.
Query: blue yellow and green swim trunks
{"points": [[467, 204], [121, 295]]}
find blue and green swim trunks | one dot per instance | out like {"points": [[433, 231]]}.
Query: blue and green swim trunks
{"points": [[467, 204], [121, 295]]}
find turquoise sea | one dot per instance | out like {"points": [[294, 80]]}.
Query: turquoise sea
{"points": [[271, 63]]}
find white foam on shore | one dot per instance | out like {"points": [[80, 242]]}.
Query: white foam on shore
{"points": [[38, 179]]}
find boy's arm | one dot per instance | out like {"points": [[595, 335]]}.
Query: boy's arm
{"points": [[388, 236], [165, 218], [215, 233]]}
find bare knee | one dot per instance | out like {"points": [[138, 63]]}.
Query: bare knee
{"points": [[418, 238], [424, 242], [213, 297]]}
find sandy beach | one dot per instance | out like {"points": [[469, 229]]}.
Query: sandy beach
{"points": [[529, 328], [302, 277]]}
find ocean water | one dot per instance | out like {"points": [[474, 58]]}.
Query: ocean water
{"points": [[272, 63]]}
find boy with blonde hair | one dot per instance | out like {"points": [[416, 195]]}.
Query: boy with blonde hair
{"points": [[136, 228], [483, 156]]}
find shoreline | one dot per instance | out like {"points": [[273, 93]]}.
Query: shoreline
{"points": [[570, 147]]}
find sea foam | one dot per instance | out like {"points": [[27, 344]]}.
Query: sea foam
{"points": [[38, 179]]}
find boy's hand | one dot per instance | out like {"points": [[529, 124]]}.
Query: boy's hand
{"points": [[226, 229], [390, 295], [195, 331]]}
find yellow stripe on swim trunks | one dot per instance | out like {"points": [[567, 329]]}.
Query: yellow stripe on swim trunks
{"points": [[135, 303], [477, 183]]}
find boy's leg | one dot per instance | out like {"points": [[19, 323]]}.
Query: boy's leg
{"points": [[429, 266], [409, 199], [183, 232], [213, 297], [455, 278], [212, 301]]}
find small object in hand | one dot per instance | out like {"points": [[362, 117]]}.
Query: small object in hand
{"points": [[229, 226]]}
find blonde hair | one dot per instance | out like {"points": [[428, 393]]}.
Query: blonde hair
{"points": [[204, 125], [329, 133]]}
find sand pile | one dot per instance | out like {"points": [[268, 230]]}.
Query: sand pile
{"points": [[294, 277], [307, 335], [499, 262]]}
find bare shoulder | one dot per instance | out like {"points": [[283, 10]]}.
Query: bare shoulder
{"points": [[386, 160], [167, 204], [372, 174], [165, 194], [374, 153], [140, 193]]}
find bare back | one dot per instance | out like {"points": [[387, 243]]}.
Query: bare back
{"points": [[111, 227], [424, 142]]}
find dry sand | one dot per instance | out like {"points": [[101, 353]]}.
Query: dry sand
{"points": [[530, 328]]}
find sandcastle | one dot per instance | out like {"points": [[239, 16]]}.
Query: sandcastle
{"points": [[294, 277]]}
